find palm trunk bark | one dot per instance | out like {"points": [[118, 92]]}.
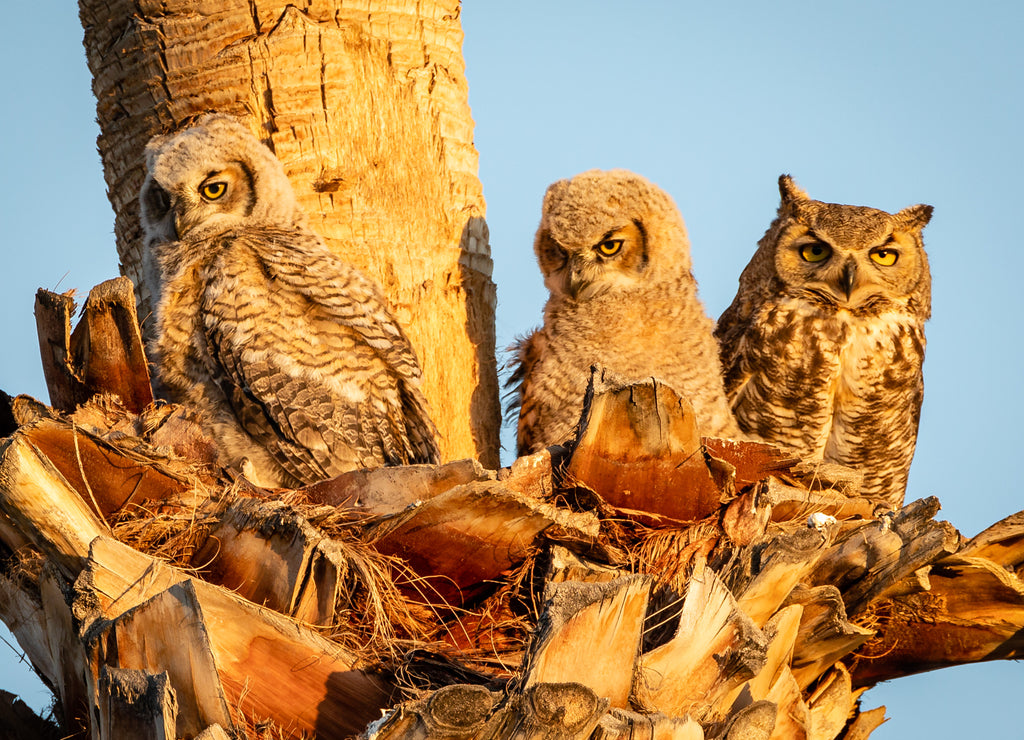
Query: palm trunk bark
{"points": [[366, 105]]}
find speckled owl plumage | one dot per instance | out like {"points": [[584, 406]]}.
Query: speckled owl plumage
{"points": [[291, 357], [823, 345], [635, 312]]}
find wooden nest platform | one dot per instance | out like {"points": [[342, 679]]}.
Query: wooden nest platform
{"points": [[644, 583]]}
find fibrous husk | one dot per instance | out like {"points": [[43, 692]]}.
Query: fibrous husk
{"points": [[473, 602]]}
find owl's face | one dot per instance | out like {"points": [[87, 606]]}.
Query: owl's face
{"points": [[614, 260], [208, 202], [604, 232], [209, 178], [850, 257]]}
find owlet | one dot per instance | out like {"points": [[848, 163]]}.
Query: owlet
{"points": [[614, 254], [291, 356], [823, 345]]}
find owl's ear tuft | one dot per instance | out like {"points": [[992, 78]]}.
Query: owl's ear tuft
{"points": [[792, 197], [790, 191], [915, 218]]}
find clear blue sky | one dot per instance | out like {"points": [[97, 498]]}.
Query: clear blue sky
{"points": [[881, 104]]}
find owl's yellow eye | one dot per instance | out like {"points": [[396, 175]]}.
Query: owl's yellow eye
{"points": [[213, 190], [884, 257], [610, 247], [815, 252]]}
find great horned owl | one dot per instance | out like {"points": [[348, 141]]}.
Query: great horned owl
{"points": [[614, 253], [290, 355], [823, 345]]}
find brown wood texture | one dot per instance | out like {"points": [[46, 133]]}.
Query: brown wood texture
{"points": [[102, 474], [783, 563], [688, 674], [639, 450], [213, 732], [606, 618], [103, 354], [262, 664], [381, 491], [973, 611], [69, 656], [752, 460], [270, 555], [825, 634], [462, 541], [136, 704], [21, 609], [106, 346], [43, 508], [746, 624], [367, 107], [1002, 543], [53, 313]]}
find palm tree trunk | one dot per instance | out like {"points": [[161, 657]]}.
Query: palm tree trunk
{"points": [[367, 108]]}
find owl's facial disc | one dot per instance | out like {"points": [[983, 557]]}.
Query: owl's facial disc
{"points": [[156, 201], [609, 264], [158, 212], [223, 198], [579, 279], [848, 278]]}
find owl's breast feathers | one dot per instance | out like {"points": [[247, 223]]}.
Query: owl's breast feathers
{"points": [[310, 362], [545, 389], [660, 331], [826, 383]]}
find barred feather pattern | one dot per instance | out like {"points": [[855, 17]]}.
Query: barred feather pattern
{"points": [[823, 345], [291, 355], [833, 386]]}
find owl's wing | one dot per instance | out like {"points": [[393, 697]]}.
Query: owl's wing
{"points": [[730, 331], [346, 294], [513, 398], [329, 382], [520, 401]]}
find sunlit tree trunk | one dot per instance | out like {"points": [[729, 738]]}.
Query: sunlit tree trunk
{"points": [[366, 105]]}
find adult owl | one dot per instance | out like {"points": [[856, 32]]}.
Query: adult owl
{"points": [[823, 345], [291, 356], [615, 257]]}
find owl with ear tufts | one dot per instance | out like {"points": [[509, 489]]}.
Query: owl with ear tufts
{"points": [[823, 344], [615, 257], [296, 366]]}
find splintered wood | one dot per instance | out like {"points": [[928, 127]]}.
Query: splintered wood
{"points": [[608, 618], [640, 451], [557, 598], [103, 354], [685, 675]]}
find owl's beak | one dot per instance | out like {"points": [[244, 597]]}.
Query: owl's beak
{"points": [[574, 283], [849, 278]]}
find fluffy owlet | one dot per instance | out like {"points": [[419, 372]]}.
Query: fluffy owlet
{"points": [[822, 346], [615, 256], [290, 355]]}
